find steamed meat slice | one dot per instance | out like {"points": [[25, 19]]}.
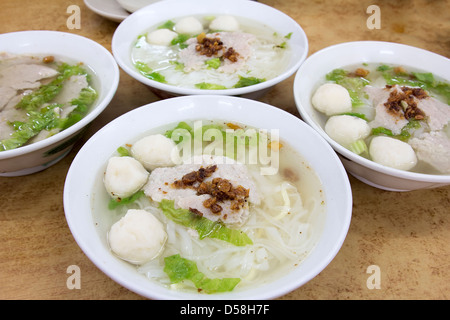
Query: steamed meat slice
{"points": [[71, 90], [434, 149], [25, 76], [9, 59], [18, 74], [383, 118], [8, 115], [240, 42], [6, 94], [437, 113], [160, 186]]}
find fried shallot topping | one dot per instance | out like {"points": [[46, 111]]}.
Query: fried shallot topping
{"points": [[404, 102], [213, 46], [189, 179], [360, 72], [231, 55], [219, 189]]}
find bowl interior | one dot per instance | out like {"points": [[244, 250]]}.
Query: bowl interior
{"points": [[312, 73], [76, 49], [159, 12], [94, 154]]}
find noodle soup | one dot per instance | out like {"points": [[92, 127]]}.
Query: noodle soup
{"points": [[243, 244], [211, 52], [390, 114]]}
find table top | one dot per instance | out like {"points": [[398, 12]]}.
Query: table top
{"points": [[405, 235]]}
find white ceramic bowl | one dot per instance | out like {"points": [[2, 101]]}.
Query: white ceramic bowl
{"points": [[40, 155], [134, 5], [159, 12], [90, 161], [313, 71]]}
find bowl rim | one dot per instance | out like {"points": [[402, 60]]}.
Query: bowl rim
{"points": [[416, 176], [158, 292], [250, 5], [99, 107]]}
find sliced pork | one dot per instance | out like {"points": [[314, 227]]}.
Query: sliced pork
{"points": [[437, 113], [383, 118], [396, 105], [234, 47], [208, 195], [434, 149]]}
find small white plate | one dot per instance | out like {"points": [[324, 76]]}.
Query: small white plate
{"points": [[109, 9]]}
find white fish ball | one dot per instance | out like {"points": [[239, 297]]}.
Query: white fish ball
{"points": [[124, 176], [155, 151], [392, 153], [331, 99], [189, 25], [224, 23], [137, 237], [345, 129], [161, 37]]}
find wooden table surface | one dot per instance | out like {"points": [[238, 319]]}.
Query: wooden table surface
{"points": [[406, 236]]}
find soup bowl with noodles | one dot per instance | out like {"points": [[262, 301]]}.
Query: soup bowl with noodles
{"points": [[251, 207], [393, 132], [203, 47]]}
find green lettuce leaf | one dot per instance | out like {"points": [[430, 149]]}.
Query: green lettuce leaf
{"points": [[123, 151], [114, 203], [37, 121], [245, 82], [405, 133], [180, 40], [354, 85], [180, 125], [424, 80], [213, 63], [83, 102], [169, 24], [179, 269], [46, 93], [147, 72], [209, 86], [204, 226]]}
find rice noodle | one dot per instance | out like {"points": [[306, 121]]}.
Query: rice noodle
{"points": [[280, 240], [284, 228]]}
